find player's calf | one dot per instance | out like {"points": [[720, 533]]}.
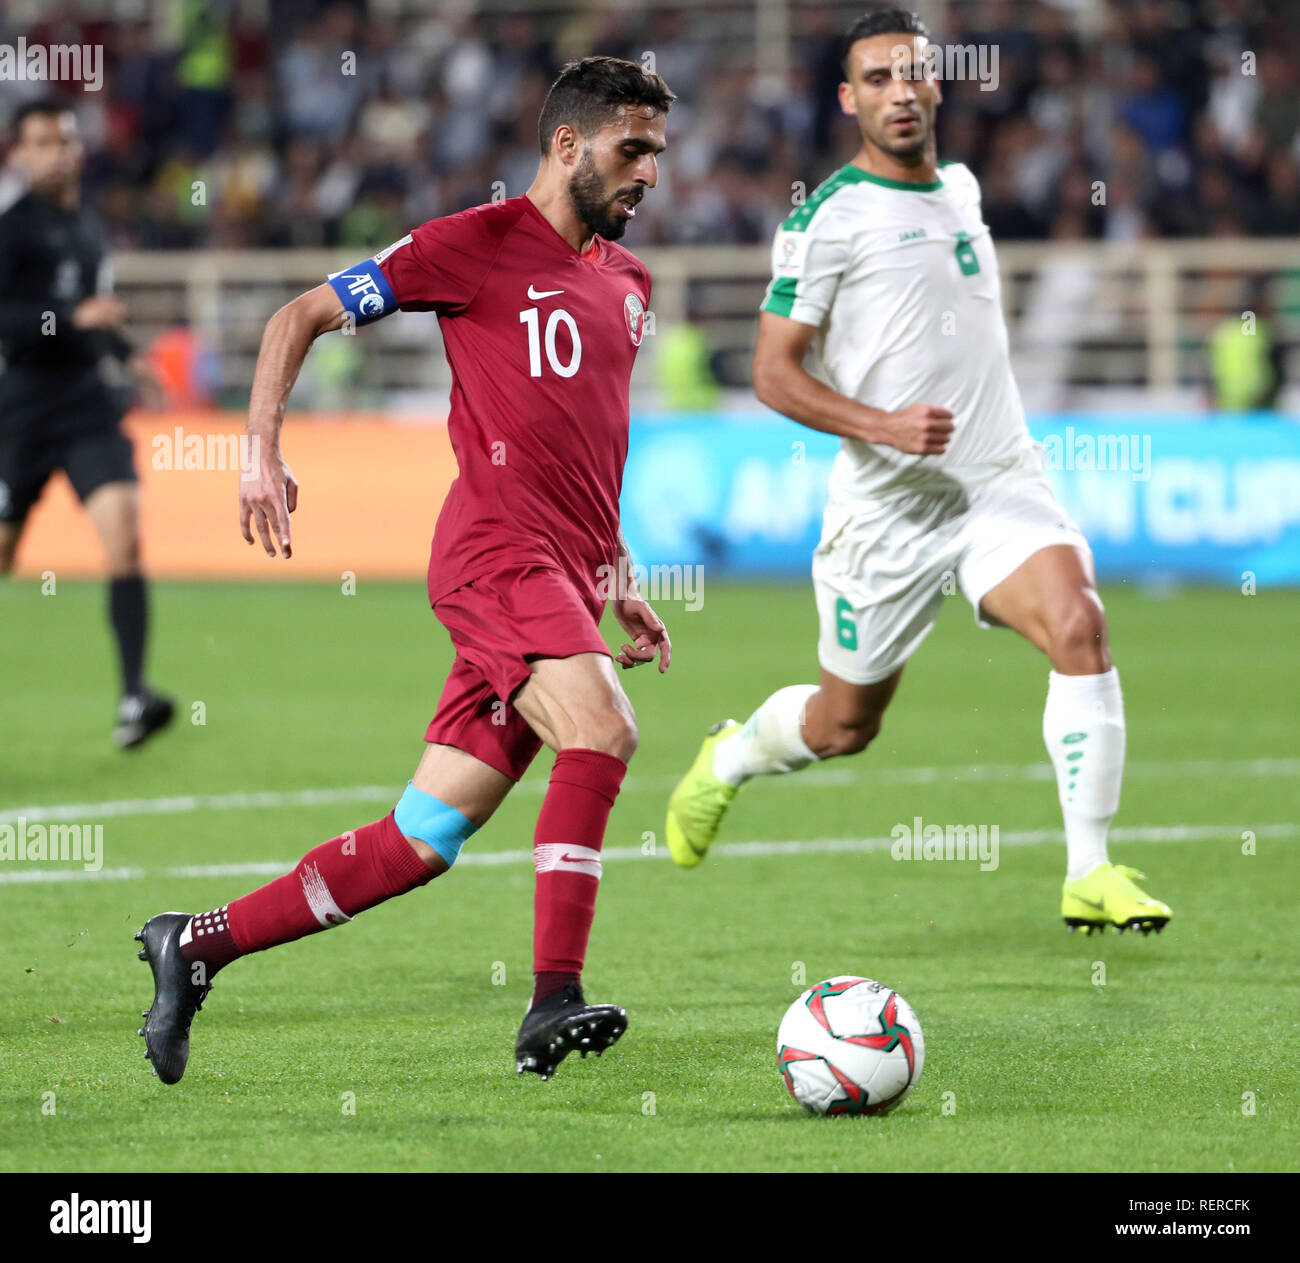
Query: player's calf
{"points": [[796, 726], [566, 856], [835, 738], [332, 884], [842, 718], [577, 706]]}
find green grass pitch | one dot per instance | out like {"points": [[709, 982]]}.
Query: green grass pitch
{"points": [[387, 1044]]}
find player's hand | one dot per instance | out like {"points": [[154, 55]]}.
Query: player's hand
{"points": [[149, 390], [267, 496], [649, 635], [100, 311], [922, 429]]}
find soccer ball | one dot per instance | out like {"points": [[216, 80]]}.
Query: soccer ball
{"points": [[850, 1046]]}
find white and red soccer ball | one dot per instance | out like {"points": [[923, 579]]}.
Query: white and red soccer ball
{"points": [[850, 1045]]}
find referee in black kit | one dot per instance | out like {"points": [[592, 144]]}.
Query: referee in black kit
{"points": [[58, 322]]}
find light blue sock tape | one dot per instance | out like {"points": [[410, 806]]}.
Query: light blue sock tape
{"points": [[421, 815]]}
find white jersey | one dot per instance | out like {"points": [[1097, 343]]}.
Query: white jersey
{"points": [[901, 282]]}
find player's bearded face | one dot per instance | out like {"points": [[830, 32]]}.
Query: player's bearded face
{"points": [[893, 95], [50, 150], [597, 205], [902, 129]]}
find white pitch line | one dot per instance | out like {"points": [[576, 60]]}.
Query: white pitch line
{"points": [[186, 804], [794, 846]]}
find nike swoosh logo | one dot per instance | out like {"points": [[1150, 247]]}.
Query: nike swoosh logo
{"points": [[545, 293], [1101, 907], [575, 859]]}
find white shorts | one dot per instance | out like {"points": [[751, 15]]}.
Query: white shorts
{"points": [[882, 569]]}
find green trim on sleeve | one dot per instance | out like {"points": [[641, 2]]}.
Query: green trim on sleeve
{"points": [[780, 297], [799, 220]]}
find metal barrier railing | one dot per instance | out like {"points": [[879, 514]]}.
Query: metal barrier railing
{"points": [[1079, 314]]}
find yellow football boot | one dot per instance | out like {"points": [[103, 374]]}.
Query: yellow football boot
{"points": [[1108, 896], [697, 805]]}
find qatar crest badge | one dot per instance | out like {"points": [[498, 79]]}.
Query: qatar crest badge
{"points": [[634, 311]]}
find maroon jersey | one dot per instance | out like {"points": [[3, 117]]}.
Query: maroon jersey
{"points": [[541, 341]]}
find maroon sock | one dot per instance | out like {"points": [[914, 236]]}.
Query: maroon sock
{"points": [[566, 855], [331, 884], [207, 939], [549, 982]]}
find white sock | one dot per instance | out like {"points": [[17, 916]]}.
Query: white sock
{"points": [[771, 741], [1083, 726]]}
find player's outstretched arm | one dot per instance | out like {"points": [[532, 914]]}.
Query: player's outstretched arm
{"points": [[782, 382], [268, 492]]}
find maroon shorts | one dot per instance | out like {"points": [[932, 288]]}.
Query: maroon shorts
{"points": [[498, 625]]}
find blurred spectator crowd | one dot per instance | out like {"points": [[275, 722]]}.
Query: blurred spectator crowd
{"points": [[333, 122]]}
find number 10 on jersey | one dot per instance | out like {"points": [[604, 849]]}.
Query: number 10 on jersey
{"points": [[531, 317]]}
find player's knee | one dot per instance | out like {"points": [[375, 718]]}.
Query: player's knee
{"points": [[435, 830], [609, 729], [124, 558], [847, 736], [1076, 633], [614, 734]]}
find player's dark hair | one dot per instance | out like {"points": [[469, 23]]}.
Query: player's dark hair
{"points": [[881, 22], [41, 107], [588, 93]]}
